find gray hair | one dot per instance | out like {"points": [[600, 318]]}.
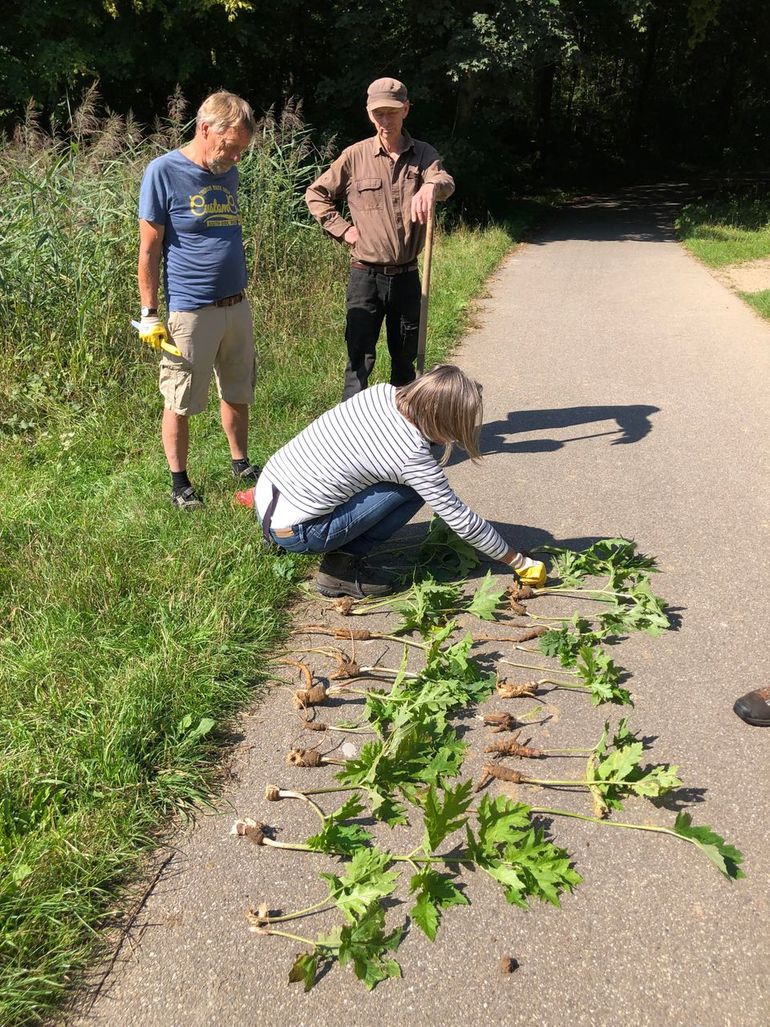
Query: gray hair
{"points": [[224, 110]]}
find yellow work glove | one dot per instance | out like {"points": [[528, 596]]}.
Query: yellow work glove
{"points": [[531, 572], [154, 333]]}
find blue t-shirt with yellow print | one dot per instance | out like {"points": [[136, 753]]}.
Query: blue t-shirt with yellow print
{"points": [[203, 256]]}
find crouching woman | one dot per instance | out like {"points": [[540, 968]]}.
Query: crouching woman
{"points": [[359, 472]]}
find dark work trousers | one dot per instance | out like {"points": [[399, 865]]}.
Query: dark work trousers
{"points": [[372, 297]]}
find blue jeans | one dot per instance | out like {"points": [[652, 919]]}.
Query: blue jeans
{"points": [[357, 526]]}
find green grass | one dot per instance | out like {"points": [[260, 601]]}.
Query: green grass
{"points": [[131, 633], [727, 231], [760, 301]]}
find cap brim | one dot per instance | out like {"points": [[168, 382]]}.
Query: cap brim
{"points": [[373, 105]]}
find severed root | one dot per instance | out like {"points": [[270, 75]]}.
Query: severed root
{"points": [[346, 668], [510, 690], [315, 696], [527, 636], [516, 607], [251, 829], [361, 634], [492, 770], [310, 758], [521, 592], [303, 669], [305, 758], [512, 747], [501, 722], [343, 605], [314, 725], [259, 917]]}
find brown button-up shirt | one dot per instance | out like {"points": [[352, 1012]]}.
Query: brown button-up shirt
{"points": [[379, 192]]}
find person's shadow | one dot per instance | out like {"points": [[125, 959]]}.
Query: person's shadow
{"points": [[633, 423]]}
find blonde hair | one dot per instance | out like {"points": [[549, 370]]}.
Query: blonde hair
{"points": [[446, 406], [223, 110]]}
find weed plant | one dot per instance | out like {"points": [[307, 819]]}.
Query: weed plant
{"points": [[129, 633]]}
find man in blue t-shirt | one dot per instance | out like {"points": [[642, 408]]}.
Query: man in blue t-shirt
{"points": [[189, 216]]}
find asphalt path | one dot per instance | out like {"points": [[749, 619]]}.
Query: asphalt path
{"points": [[625, 394]]}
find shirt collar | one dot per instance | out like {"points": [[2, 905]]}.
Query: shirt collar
{"points": [[377, 147]]}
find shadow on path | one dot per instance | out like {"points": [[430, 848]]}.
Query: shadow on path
{"points": [[633, 424], [637, 214]]}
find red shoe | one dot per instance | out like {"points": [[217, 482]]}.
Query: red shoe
{"points": [[245, 498]]}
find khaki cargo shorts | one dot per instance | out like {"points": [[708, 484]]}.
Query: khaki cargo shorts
{"points": [[218, 340]]}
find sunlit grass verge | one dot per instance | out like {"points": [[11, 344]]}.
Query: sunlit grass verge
{"points": [[760, 301], [727, 231], [130, 632]]}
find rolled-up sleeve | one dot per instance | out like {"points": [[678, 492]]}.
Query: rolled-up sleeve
{"points": [[437, 176], [322, 196]]}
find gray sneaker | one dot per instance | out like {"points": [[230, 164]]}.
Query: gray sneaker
{"points": [[343, 574]]}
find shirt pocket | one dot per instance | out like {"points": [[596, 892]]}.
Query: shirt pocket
{"points": [[368, 193], [412, 182]]}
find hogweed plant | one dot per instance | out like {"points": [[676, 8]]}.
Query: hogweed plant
{"points": [[410, 769]]}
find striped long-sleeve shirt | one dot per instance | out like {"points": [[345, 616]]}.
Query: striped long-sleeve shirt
{"points": [[360, 443]]}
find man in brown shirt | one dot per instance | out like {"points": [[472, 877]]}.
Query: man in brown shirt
{"points": [[390, 183]]}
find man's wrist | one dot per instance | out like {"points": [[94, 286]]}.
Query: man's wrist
{"points": [[149, 311]]}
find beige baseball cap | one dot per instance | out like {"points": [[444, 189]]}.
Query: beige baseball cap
{"points": [[385, 92]]}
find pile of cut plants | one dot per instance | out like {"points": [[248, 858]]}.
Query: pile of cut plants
{"points": [[383, 752]]}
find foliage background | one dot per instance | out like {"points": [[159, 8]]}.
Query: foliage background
{"points": [[514, 91]]}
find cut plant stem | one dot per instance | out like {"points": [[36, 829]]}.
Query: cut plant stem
{"points": [[624, 825], [273, 794], [532, 666], [317, 907]]}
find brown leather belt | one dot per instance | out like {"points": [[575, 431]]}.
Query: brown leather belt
{"points": [[383, 269], [283, 532], [229, 301]]}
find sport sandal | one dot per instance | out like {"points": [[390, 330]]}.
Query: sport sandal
{"points": [[186, 498], [248, 474]]}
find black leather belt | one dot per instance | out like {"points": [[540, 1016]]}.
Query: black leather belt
{"points": [[229, 301], [383, 269]]}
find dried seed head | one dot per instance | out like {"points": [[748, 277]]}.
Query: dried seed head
{"points": [[600, 807], [315, 696], [510, 690], [501, 722], [272, 793], [343, 605], [508, 964], [304, 758]]}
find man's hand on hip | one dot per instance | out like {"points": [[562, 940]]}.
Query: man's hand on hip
{"points": [[351, 236], [422, 203]]}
